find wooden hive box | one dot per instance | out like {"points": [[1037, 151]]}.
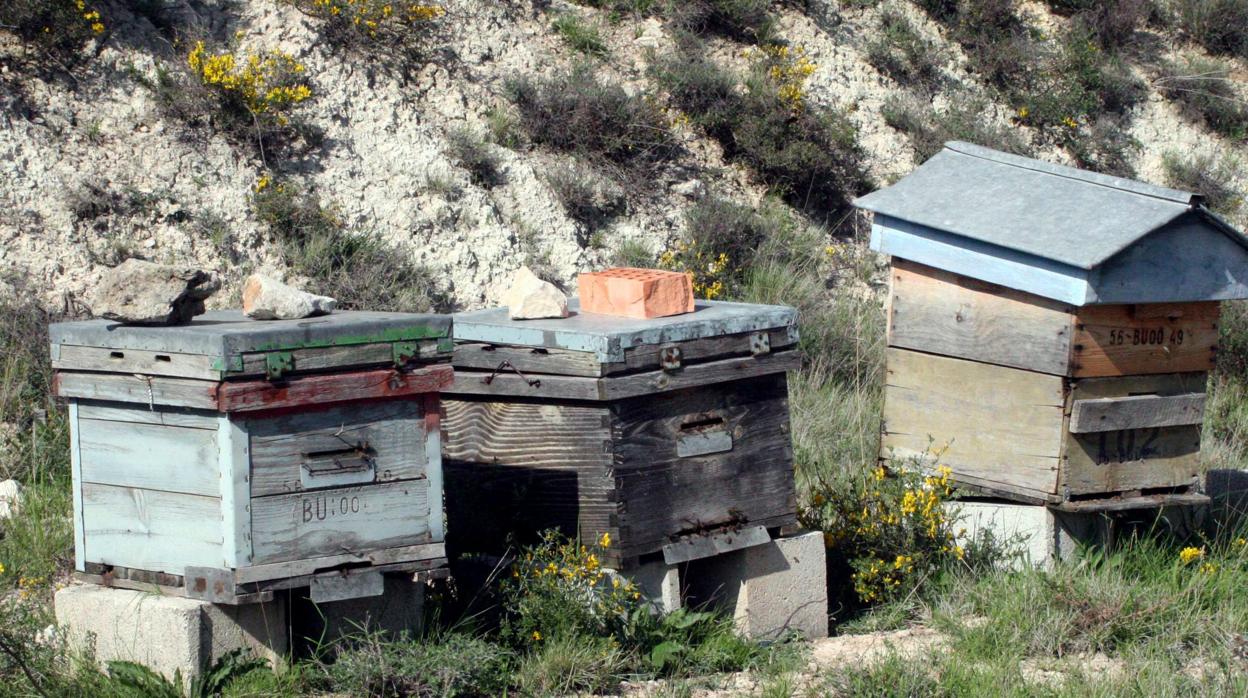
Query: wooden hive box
{"points": [[229, 458], [1051, 330], [670, 434]]}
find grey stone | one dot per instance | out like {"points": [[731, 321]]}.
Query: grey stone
{"points": [[140, 292], [167, 633], [692, 189], [265, 298], [530, 298], [771, 590], [10, 499]]}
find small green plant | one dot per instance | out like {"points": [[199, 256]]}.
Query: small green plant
{"points": [[750, 21], [474, 155], [579, 114], [133, 679], [1204, 92], [558, 589], [56, 26], [899, 51], [444, 663], [358, 269], [579, 35], [632, 253], [964, 119], [1210, 176], [379, 27]]}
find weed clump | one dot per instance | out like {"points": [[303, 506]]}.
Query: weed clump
{"points": [[1211, 177], [900, 52], [576, 113], [579, 35], [749, 21], [360, 270], [587, 197], [1221, 26], [378, 27], [1203, 91], [59, 27], [722, 238], [440, 664], [963, 119], [474, 155]]}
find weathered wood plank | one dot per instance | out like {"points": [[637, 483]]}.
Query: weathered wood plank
{"points": [[1136, 412], [1131, 459], [488, 357], [151, 363], [943, 313], [151, 530], [235, 490], [648, 356], [309, 390], [329, 358], [142, 414], [433, 464], [1117, 340], [151, 391], [285, 448], [992, 423], [299, 568], [75, 467], [149, 456], [548, 436], [346, 520]]}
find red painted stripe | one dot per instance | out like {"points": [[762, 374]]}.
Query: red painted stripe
{"points": [[249, 396]]}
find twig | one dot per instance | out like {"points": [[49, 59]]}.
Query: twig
{"points": [[17, 659]]}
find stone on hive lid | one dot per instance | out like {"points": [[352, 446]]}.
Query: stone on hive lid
{"points": [[636, 293], [141, 292], [530, 298], [265, 298]]}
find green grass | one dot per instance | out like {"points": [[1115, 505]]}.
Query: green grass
{"points": [[579, 35], [929, 128], [899, 51], [1205, 93]]}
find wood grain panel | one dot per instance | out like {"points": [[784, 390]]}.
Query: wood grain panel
{"points": [[1119, 340], [1136, 412], [254, 395], [149, 456], [142, 414], [393, 432], [178, 392], [350, 520], [525, 433], [150, 530], [991, 423], [151, 363], [352, 356], [943, 313]]}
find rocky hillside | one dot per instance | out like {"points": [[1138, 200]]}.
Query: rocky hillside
{"points": [[475, 136]]}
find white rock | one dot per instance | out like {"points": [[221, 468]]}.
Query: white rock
{"points": [[141, 292], [530, 298], [693, 189], [10, 498], [265, 298]]}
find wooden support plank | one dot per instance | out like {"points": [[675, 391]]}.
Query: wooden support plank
{"points": [[351, 519], [151, 530], [390, 433], [1136, 412], [306, 566], [75, 466], [1118, 340], [488, 357], [144, 390], [148, 456], [1155, 501], [943, 313], [988, 423], [312, 390], [128, 361], [141, 414]]}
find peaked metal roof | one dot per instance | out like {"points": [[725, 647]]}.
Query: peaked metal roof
{"points": [[1059, 213]]}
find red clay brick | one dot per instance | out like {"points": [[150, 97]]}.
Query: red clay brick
{"points": [[636, 293]]}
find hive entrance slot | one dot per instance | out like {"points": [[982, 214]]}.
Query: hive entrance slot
{"points": [[702, 424], [342, 460]]}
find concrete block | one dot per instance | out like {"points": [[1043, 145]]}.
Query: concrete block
{"points": [[659, 584], [167, 633], [770, 589], [1228, 496], [399, 609]]}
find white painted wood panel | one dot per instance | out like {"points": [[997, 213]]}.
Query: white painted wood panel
{"points": [[150, 530], [150, 456], [142, 414]]}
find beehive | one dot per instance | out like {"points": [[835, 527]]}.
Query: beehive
{"points": [[229, 458], [658, 432], [1050, 330]]}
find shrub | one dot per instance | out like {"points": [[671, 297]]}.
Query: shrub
{"points": [[721, 239], [381, 27], [34, 443], [57, 26], [1102, 146], [474, 155], [900, 52], [558, 590], [632, 253], [577, 113], [743, 20], [1112, 23], [570, 666], [578, 35], [807, 154], [964, 119], [1221, 26], [587, 197], [360, 270], [1211, 177], [1204, 92], [1077, 85], [44, 668], [445, 664]]}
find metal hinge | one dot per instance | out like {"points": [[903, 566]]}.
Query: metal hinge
{"points": [[277, 363], [669, 358], [403, 352]]}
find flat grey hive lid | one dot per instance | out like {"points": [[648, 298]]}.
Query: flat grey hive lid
{"points": [[1054, 212], [608, 335], [228, 333]]}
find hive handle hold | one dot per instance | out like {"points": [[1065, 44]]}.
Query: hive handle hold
{"points": [[505, 365]]}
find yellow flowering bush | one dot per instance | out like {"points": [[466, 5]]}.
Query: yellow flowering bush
{"points": [[707, 269], [52, 24], [788, 68], [373, 22], [891, 528], [558, 589], [723, 238]]}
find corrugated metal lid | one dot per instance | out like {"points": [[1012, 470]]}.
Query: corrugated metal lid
{"points": [[1055, 212]]}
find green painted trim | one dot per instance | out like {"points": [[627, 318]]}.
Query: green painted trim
{"points": [[406, 334]]}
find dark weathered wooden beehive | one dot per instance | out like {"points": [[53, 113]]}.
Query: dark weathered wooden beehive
{"points": [[1050, 330], [229, 458], [654, 431]]}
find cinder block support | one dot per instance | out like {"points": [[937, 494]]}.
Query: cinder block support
{"points": [[399, 609], [770, 589], [659, 583], [167, 633]]}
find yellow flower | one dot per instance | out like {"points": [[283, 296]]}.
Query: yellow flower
{"points": [[537, 637], [1, 568], [605, 540], [1208, 568], [1023, 112], [1189, 554]]}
